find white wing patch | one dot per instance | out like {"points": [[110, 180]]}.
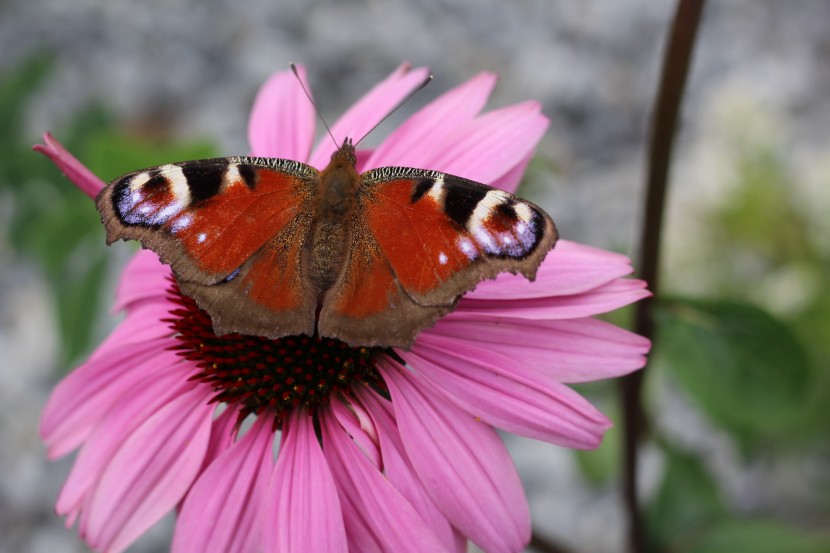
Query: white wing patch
{"points": [[163, 201]]}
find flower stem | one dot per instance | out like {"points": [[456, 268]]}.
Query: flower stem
{"points": [[664, 123]]}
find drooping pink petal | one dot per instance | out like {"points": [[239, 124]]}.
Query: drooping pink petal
{"points": [[302, 509], [369, 110], [221, 513], [144, 278], [462, 463], [158, 387], [80, 399], [489, 146], [602, 299], [71, 167], [282, 119], [398, 469], [413, 143], [377, 517], [571, 350], [504, 393], [149, 473], [569, 269]]}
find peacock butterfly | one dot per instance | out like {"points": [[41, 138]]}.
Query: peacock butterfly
{"points": [[273, 247]]}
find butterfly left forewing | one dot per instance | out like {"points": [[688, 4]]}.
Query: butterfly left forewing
{"points": [[223, 225], [437, 236]]}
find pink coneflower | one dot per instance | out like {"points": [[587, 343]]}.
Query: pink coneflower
{"points": [[379, 449]]}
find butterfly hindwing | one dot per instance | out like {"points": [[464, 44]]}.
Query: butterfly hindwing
{"points": [[232, 229], [367, 305], [434, 237]]}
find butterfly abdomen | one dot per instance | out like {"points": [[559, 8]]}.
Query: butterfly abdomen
{"points": [[330, 236], [326, 249]]}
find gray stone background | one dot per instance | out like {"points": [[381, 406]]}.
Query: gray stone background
{"points": [[195, 65]]}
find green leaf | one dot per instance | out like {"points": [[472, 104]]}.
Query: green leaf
{"points": [[686, 503], [758, 536], [742, 366]]}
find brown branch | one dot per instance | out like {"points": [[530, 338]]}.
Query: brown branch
{"points": [[664, 124]]}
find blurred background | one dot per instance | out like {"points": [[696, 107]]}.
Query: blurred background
{"points": [[737, 394]]}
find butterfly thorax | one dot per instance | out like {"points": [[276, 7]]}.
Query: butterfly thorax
{"points": [[331, 232]]}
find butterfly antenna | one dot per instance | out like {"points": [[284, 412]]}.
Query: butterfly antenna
{"points": [[293, 67], [402, 102]]}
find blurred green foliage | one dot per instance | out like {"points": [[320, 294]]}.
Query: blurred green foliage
{"points": [[54, 224], [753, 356]]}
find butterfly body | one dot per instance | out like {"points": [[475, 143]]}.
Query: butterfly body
{"points": [[273, 247], [335, 207]]}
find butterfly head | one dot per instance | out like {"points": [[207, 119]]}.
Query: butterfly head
{"points": [[345, 156]]}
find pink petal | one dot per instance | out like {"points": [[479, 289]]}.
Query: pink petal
{"points": [[569, 269], [462, 463], [511, 179], [150, 473], [502, 392], [366, 440], [369, 110], [70, 166], [222, 434], [378, 518], [159, 387], [489, 146], [413, 143], [399, 470], [81, 399], [578, 350], [362, 156], [222, 511], [142, 324], [599, 300], [282, 119], [144, 278], [302, 511]]}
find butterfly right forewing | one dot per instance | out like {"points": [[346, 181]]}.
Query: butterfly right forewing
{"points": [[424, 238], [451, 233]]}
